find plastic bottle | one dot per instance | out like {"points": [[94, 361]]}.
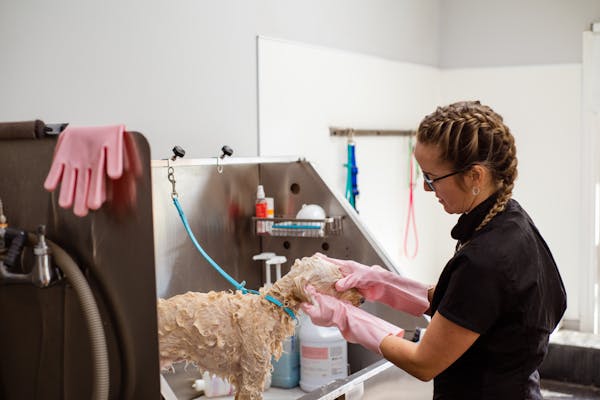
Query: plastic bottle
{"points": [[323, 355], [213, 386], [270, 213], [286, 370], [260, 209], [270, 207]]}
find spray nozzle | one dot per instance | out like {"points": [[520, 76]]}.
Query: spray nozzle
{"points": [[3, 223]]}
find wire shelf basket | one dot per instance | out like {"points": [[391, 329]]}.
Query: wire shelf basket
{"points": [[294, 227]]}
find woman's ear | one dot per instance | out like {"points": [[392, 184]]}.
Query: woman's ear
{"points": [[477, 174]]}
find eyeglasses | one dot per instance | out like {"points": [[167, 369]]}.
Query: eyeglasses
{"points": [[430, 181]]}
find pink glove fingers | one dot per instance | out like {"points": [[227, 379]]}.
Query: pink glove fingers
{"points": [[81, 193], [53, 177], [97, 187], [335, 261], [114, 153], [67, 187], [56, 169], [346, 267], [364, 278], [97, 190], [346, 283]]}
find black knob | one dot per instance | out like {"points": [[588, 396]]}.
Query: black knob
{"points": [[227, 151], [178, 151]]}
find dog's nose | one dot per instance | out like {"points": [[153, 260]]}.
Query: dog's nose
{"points": [[362, 300]]}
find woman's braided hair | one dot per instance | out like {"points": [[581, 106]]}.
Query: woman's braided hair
{"points": [[469, 133]]}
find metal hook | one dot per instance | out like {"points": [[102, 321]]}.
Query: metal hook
{"points": [[177, 152], [351, 136], [171, 178], [226, 151]]}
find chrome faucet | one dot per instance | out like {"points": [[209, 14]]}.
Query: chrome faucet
{"points": [[42, 274]]}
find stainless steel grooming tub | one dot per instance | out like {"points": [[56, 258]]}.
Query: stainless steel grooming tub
{"points": [[220, 209], [130, 256]]}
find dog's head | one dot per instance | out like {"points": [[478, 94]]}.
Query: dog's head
{"points": [[322, 275]]}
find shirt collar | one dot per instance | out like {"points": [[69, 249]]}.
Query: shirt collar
{"points": [[468, 222]]}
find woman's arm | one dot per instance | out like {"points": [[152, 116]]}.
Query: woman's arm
{"points": [[443, 343], [430, 292]]}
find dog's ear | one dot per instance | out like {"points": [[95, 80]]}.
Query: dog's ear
{"points": [[299, 283]]}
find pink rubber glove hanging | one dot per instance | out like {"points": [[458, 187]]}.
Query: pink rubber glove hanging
{"points": [[82, 159], [356, 325], [378, 284], [123, 195]]}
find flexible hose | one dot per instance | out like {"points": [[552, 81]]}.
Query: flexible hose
{"points": [[236, 284], [92, 316]]}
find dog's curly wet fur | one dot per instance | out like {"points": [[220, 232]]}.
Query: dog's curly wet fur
{"points": [[233, 335]]}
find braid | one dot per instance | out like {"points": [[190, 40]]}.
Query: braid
{"points": [[469, 133], [508, 180]]}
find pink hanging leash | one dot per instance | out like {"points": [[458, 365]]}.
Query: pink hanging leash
{"points": [[410, 218]]}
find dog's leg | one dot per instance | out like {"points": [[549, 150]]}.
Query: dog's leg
{"points": [[255, 367]]}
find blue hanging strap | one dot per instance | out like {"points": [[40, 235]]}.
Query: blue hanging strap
{"points": [[216, 266], [351, 177]]}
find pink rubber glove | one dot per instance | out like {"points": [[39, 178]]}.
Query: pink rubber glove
{"points": [[122, 192], [356, 325], [82, 157], [378, 284]]}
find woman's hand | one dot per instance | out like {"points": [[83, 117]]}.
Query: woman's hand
{"points": [[356, 325], [378, 284]]}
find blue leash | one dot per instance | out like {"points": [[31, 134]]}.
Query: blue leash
{"points": [[351, 180], [216, 266]]}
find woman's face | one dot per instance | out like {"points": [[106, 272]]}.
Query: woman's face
{"points": [[449, 193]]}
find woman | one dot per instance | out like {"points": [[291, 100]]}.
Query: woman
{"points": [[497, 299]]}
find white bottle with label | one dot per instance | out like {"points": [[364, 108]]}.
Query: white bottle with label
{"points": [[323, 355]]}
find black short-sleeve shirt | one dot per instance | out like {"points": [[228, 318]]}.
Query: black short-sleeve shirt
{"points": [[502, 283]]}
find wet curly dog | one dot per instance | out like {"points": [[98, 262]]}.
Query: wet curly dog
{"points": [[233, 335]]}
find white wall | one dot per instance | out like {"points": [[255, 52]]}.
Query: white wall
{"points": [[185, 73], [542, 107], [491, 33], [590, 177], [181, 72], [303, 90]]}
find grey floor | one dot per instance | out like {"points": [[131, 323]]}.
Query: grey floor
{"points": [[553, 390], [392, 383]]}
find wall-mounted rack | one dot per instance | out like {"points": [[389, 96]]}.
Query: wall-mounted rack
{"points": [[337, 131], [320, 228]]}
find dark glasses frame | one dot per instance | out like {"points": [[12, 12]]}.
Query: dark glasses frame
{"points": [[430, 181]]}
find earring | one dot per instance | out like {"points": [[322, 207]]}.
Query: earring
{"points": [[475, 191]]}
